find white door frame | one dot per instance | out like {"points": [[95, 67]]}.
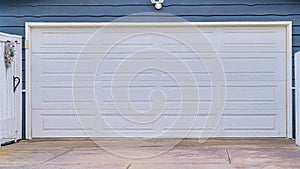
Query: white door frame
{"points": [[297, 98], [30, 25]]}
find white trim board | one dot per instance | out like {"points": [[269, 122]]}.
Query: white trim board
{"points": [[30, 25], [297, 98]]}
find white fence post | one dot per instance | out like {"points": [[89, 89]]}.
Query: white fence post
{"points": [[1, 88], [297, 81]]}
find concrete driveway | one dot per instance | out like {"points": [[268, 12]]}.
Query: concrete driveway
{"points": [[189, 154]]}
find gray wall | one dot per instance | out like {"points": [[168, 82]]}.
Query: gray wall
{"points": [[14, 13]]}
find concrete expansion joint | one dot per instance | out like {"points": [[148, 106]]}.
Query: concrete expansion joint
{"points": [[58, 155], [228, 156], [128, 166]]}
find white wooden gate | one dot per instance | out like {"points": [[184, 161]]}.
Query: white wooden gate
{"points": [[10, 89]]}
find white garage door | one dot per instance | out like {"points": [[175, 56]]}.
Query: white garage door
{"points": [[253, 58]]}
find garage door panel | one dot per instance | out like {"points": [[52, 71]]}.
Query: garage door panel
{"points": [[65, 39], [58, 68], [243, 123], [131, 36], [272, 124], [121, 124], [240, 95], [243, 71], [60, 134], [60, 96], [115, 125], [228, 40], [255, 67], [236, 67], [249, 39], [66, 123], [250, 66], [228, 124], [51, 124]]}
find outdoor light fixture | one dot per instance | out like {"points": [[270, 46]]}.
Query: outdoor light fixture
{"points": [[158, 3]]}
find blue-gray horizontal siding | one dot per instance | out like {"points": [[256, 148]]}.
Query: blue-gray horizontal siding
{"points": [[14, 13]]}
